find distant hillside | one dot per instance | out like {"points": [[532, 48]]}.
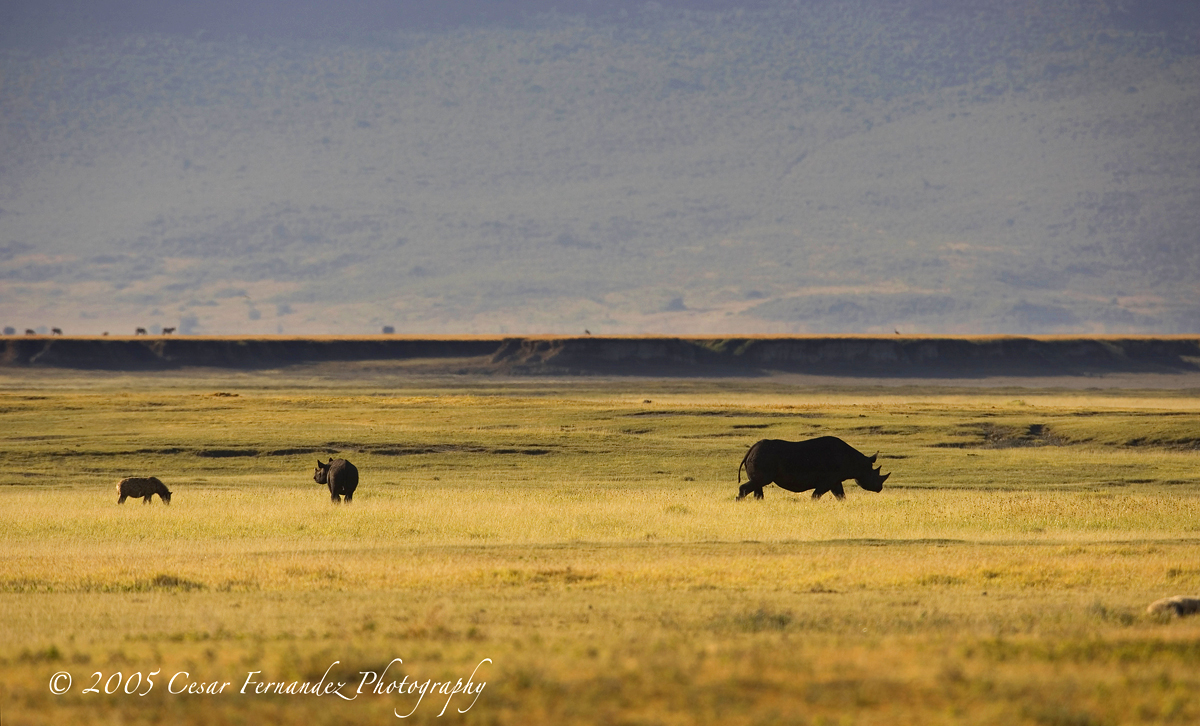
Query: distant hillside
{"points": [[840, 356], [792, 167]]}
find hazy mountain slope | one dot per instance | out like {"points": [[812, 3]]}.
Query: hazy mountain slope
{"points": [[809, 167]]}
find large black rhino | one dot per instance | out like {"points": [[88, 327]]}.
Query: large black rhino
{"points": [[820, 464], [340, 476]]}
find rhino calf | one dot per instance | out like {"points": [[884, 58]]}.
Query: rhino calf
{"points": [[142, 486], [820, 464], [340, 476]]}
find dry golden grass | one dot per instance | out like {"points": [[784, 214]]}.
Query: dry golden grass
{"points": [[583, 535]]}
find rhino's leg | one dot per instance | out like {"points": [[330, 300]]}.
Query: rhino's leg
{"points": [[122, 499], [838, 491], [348, 497], [752, 486], [335, 499], [818, 493], [146, 499]]}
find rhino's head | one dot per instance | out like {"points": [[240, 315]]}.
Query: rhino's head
{"points": [[874, 481], [321, 475]]}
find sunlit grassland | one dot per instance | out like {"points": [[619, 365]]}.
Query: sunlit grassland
{"points": [[583, 534]]}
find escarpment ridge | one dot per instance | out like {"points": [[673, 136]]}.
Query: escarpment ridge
{"points": [[878, 356]]}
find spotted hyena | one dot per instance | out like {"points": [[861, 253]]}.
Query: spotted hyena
{"points": [[142, 486]]}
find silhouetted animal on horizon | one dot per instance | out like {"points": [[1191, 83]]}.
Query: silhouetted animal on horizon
{"points": [[340, 476], [820, 464], [142, 486]]}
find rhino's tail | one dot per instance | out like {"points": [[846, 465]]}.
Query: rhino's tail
{"points": [[740, 466]]}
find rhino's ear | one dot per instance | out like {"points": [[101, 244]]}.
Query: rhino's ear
{"points": [[872, 457]]}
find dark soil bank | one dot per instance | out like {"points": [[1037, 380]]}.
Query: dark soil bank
{"points": [[707, 356]]}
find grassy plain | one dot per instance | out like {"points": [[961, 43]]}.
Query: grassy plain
{"points": [[583, 535]]}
